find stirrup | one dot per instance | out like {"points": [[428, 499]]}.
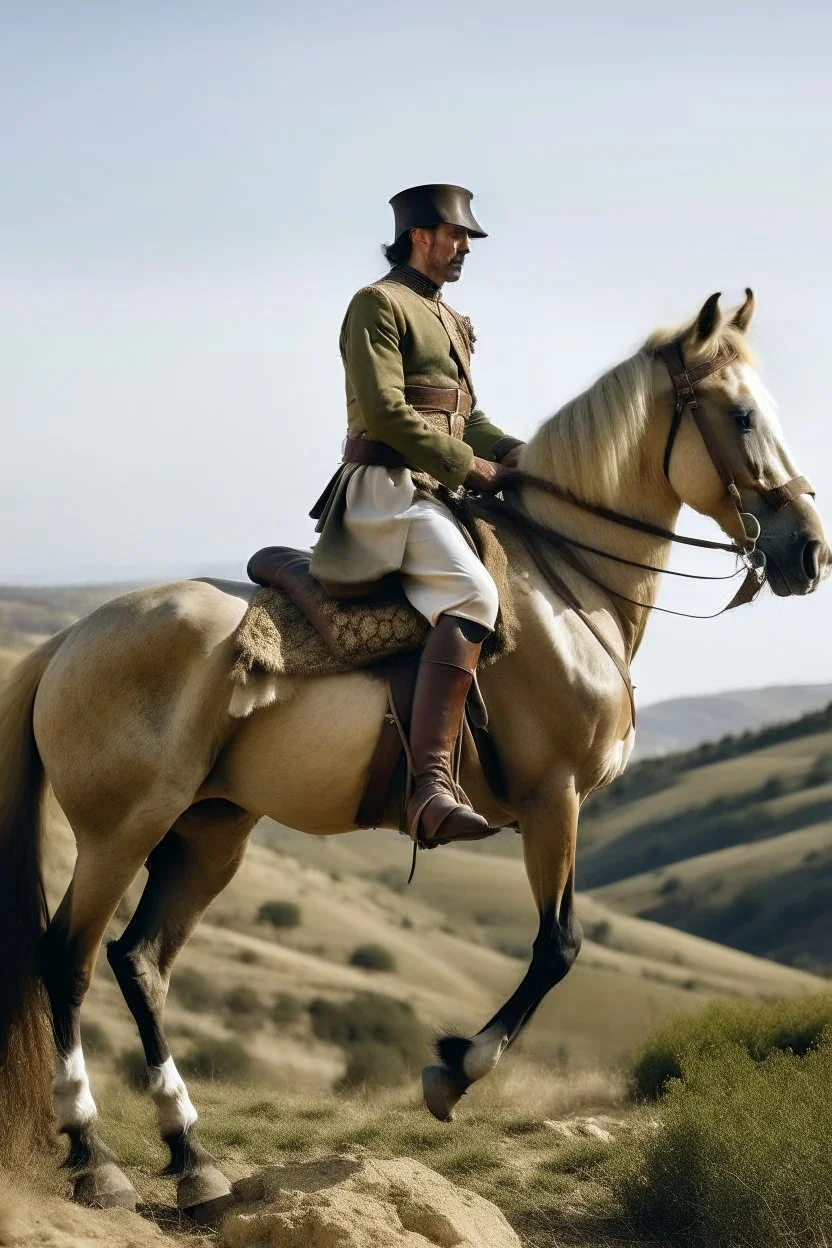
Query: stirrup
{"points": [[457, 802]]}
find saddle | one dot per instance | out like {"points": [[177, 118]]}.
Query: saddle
{"points": [[384, 633]]}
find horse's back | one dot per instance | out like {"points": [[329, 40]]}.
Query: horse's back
{"points": [[140, 686]]}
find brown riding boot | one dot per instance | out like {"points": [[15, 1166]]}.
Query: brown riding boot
{"points": [[439, 811]]}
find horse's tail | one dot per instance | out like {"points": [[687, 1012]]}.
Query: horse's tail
{"points": [[26, 1045]]}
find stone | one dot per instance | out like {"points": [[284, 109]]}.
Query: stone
{"points": [[361, 1202]]}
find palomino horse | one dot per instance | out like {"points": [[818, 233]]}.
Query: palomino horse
{"points": [[130, 717]]}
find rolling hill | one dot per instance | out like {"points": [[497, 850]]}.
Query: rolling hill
{"points": [[732, 841]]}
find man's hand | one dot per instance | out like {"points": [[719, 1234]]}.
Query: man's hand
{"points": [[511, 458], [485, 477]]}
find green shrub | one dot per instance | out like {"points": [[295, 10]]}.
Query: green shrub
{"points": [[370, 1064], [194, 990], [279, 913], [373, 958], [243, 1009], [741, 1156], [821, 770], [792, 1025], [366, 1027], [217, 1059], [286, 1009]]}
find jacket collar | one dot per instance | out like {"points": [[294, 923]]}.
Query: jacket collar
{"points": [[414, 280]]}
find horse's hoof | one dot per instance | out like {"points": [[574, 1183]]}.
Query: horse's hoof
{"points": [[441, 1089], [204, 1194], [105, 1187], [210, 1212]]}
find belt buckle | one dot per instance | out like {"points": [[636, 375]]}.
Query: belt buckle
{"points": [[455, 412]]}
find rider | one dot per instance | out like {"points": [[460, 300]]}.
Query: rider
{"points": [[411, 409]]}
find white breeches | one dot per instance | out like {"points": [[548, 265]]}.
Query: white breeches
{"points": [[441, 575]]}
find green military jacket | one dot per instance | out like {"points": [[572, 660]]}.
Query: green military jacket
{"points": [[399, 332]]}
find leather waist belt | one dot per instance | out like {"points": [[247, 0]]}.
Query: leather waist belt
{"points": [[438, 399], [368, 451]]}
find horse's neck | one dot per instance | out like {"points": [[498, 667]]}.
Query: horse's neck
{"points": [[641, 494]]}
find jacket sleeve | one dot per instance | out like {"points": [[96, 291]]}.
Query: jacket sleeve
{"points": [[373, 359], [485, 439]]}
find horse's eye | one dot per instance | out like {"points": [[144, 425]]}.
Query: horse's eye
{"points": [[744, 419]]}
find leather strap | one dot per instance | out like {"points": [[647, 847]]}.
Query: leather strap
{"points": [[683, 380], [368, 451], [439, 399], [401, 683], [779, 496]]}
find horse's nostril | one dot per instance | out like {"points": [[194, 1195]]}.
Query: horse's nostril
{"points": [[811, 560]]}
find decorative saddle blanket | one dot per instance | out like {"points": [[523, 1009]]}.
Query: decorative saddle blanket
{"points": [[277, 635]]}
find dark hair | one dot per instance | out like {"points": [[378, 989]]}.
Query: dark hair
{"points": [[398, 252]]}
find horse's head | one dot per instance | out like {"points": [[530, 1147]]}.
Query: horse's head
{"points": [[739, 418]]}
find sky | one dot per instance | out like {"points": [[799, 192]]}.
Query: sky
{"points": [[193, 190]]}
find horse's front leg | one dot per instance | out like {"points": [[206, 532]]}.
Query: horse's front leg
{"points": [[549, 830]]}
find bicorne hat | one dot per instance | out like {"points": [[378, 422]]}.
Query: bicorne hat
{"points": [[435, 204]]}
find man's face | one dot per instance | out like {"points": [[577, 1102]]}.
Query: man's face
{"points": [[443, 252]]}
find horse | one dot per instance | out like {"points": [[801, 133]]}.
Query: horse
{"points": [[131, 719]]}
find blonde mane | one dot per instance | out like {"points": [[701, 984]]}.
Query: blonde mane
{"points": [[595, 440]]}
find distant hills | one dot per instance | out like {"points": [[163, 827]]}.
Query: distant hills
{"points": [[731, 841], [680, 723]]}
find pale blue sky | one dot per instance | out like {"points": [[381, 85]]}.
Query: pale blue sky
{"points": [[191, 192]]}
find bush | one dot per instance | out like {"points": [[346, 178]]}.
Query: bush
{"points": [[194, 990], [794, 1026], [821, 771], [243, 1009], [370, 1064], [741, 1157], [279, 913], [217, 1059], [373, 958], [286, 1009], [383, 1039]]}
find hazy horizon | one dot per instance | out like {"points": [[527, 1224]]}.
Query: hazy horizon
{"points": [[194, 192]]}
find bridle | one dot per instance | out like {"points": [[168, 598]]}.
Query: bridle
{"points": [[683, 380]]}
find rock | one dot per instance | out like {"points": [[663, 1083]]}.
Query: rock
{"points": [[600, 1128], [361, 1202]]}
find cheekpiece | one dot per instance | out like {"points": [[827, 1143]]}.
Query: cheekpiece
{"points": [[436, 203]]}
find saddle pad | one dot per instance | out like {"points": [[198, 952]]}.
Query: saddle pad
{"points": [[276, 637]]}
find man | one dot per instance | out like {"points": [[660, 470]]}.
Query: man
{"points": [[411, 408]]}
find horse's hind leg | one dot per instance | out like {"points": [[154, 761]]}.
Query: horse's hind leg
{"points": [[102, 874], [549, 853], [187, 870]]}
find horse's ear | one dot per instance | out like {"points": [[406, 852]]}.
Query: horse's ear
{"points": [[742, 316], [709, 318]]}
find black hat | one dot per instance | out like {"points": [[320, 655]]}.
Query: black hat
{"points": [[435, 204]]}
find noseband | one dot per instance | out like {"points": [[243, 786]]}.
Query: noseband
{"points": [[683, 380]]}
